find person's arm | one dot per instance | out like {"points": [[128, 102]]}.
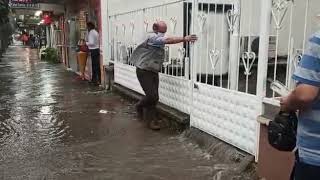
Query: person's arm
{"points": [[176, 40], [300, 98], [307, 74]]}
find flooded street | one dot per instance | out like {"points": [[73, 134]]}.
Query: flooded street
{"points": [[51, 128]]}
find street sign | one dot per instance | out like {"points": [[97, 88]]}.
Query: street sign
{"points": [[24, 4]]}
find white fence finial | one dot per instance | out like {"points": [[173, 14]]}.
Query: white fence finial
{"points": [[232, 17], [116, 29], [182, 54], [279, 12], [124, 29], [248, 59], [132, 27], [146, 25], [214, 56], [174, 22], [202, 18]]}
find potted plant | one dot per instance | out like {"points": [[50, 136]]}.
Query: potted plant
{"points": [[50, 55]]}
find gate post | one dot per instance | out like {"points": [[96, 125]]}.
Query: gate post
{"points": [[265, 25]]}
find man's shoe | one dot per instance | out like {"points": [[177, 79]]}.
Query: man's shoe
{"points": [[154, 125]]}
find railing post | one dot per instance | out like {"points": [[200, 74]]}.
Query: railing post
{"points": [[265, 25]]}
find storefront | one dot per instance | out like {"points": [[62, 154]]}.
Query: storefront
{"points": [[76, 18]]}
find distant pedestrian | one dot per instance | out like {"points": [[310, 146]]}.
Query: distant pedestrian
{"points": [[25, 39], [148, 58], [31, 40], [37, 41], [305, 99], [93, 45]]}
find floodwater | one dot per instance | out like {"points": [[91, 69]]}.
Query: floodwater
{"points": [[53, 126]]}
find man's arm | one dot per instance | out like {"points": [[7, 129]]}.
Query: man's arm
{"points": [[307, 74], [176, 40], [300, 98]]}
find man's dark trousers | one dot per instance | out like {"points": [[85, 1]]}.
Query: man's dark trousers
{"points": [[303, 171], [95, 61], [149, 82]]}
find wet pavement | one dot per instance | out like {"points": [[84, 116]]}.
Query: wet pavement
{"points": [[51, 128]]}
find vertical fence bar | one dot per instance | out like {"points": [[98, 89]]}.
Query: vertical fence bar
{"points": [[265, 26], [193, 69], [249, 50], [289, 48], [240, 45], [192, 46], [200, 48], [207, 51], [222, 44], [215, 41], [305, 25], [187, 59], [275, 69], [234, 46]]}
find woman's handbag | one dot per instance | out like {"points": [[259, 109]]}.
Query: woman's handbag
{"points": [[83, 46]]}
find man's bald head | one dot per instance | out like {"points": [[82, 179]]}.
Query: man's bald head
{"points": [[160, 27]]}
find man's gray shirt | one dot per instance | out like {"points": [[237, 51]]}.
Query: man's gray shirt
{"points": [[150, 54]]}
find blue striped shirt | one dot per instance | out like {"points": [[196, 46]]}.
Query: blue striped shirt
{"points": [[308, 72]]}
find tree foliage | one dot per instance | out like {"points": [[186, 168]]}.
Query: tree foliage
{"points": [[4, 11]]}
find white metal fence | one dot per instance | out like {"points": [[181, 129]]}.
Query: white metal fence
{"points": [[291, 25], [221, 80], [127, 30]]}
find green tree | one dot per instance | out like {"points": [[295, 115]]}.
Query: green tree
{"points": [[4, 11]]}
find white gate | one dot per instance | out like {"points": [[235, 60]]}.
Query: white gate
{"points": [[224, 101], [129, 29]]}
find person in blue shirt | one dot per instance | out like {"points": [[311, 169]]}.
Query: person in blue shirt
{"points": [[305, 99]]}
